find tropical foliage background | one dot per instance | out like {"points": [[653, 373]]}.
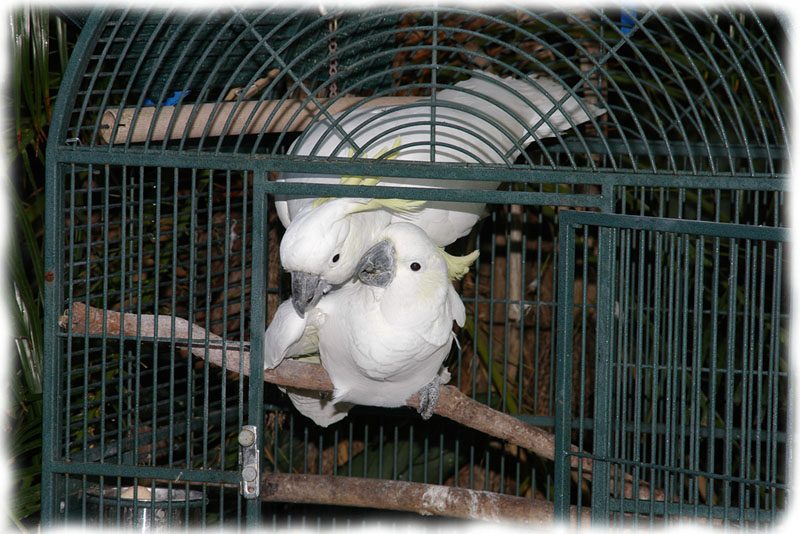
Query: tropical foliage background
{"points": [[40, 41]]}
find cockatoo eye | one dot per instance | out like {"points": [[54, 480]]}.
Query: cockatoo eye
{"points": [[415, 266], [335, 258]]}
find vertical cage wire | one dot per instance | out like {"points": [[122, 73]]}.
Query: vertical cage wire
{"points": [[169, 243], [695, 415], [165, 224]]}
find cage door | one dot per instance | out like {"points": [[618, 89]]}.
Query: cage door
{"points": [[689, 416]]}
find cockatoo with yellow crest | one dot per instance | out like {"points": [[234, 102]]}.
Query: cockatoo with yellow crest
{"points": [[383, 336], [484, 119]]}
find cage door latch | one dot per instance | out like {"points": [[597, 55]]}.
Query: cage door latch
{"points": [[249, 462]]}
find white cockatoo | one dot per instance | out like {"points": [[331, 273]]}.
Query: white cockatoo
{"points": [[383, 336], [484, 119]]}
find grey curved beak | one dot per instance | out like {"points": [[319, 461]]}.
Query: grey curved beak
{"points": [[307, 289], [377, 266]]}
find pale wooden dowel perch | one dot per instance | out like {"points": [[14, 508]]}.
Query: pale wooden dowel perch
{"points": [[224, 118], [452, 403], [424, 499]]}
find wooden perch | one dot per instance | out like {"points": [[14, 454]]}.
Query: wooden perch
{"points": [[424, 499], [452, 404], [134, 124]]}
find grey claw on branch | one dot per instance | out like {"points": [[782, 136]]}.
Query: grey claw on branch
{"points": [[428, 397]]}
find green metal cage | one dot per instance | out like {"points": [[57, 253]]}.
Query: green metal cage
{"points": [[631, 297]]}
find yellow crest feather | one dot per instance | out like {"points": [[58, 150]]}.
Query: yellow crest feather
{"points": [[458, 266], [309, 358], [363, 180], [395, 204], [350, 180], [319, 201]]}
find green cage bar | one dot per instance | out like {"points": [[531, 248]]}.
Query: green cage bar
{"points": [[692, 391], [630, 298]]}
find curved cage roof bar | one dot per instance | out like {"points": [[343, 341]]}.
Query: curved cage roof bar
{"points": [[237, 81]]}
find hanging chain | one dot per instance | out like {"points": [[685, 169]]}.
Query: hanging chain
{"points": [[333, 63]]}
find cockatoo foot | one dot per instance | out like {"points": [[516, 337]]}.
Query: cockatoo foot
{"points": [[428, 397]]}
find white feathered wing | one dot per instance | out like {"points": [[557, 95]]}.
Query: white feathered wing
{"points": [[291, 336], [485, 119]]}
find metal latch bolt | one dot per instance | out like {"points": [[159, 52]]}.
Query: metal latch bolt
{"points": [[249, 462]]}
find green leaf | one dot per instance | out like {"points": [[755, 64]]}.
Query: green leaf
{"points": [[497, 372], [32, 85], [424, 465]]}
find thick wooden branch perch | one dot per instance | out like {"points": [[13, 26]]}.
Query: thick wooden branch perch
{"points": [[424, 499], [452, 404]]}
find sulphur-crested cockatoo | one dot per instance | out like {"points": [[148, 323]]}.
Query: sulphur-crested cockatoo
{"points": [[383, 336], [484, 119]]}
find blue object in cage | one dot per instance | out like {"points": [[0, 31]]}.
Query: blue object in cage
{"points": [[171, 101], [627, 20]]}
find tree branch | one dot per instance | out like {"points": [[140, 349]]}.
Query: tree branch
{"points": [[232, 356], [424, 499], [452, 403]]}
